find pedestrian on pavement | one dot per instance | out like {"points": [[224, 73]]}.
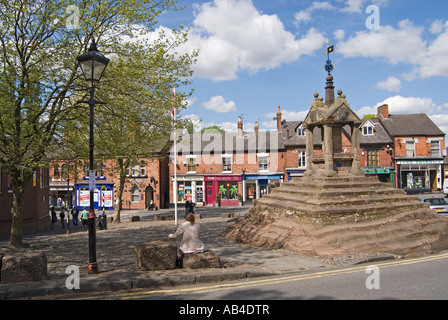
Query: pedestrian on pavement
{"points": [[84, 218], [54, 217], [188, 208], [189, 230], [75, 213], [62, 216]]}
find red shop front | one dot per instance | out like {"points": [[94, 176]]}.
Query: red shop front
{"points": [[223, 190]]}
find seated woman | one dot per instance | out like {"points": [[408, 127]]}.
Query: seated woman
{"points": [[190, 236]]}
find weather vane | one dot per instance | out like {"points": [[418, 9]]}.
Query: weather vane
{"points": [[328, 67]]}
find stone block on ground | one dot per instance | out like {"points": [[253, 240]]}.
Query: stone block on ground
{"points": [[163, 218], [156, 254], [23, 267], [134, 218], [230, 215], [207, 259]]}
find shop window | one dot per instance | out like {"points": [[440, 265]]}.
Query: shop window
{"points": [[228, 190], [135, 194]]}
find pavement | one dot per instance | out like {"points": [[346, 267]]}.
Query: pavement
{"points": [[117, 260]]}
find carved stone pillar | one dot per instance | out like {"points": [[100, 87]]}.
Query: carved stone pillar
{"points": [[309, 139], [356, 148], [328, 152]]}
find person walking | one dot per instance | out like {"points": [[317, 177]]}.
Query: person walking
{"points": [[75, 213], [62, 216], [54, 217], [84, 218], [188, 207]]}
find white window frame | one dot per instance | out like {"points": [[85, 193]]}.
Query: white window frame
{"points": [[192, 159], [301, 132], [368, 129], [301, 159], [228, 158], [263, 156], [135, 194]]}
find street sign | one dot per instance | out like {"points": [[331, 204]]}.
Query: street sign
{"points": [[92, 179]]}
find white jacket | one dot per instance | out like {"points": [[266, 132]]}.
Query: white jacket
{"points": [[190, 238]]}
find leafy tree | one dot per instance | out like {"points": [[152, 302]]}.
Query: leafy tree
{"points": [[40, 81]]}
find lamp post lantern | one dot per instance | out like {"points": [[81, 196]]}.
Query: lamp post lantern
{"points": [[92, 64]]}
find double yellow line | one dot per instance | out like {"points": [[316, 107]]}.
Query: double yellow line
{"points": [[270, 281]]}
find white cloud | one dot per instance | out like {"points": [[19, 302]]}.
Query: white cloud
{"points": [[232, 35], [286, 115], [403, 44], [406, 105], [391, 84], [339, 34], [306, 15], [218, 104], [353, 6]]}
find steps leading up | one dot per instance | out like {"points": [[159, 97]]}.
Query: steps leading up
{"points": [[342, 215]]}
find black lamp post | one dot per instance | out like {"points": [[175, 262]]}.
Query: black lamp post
{"points": [[92, 64]]}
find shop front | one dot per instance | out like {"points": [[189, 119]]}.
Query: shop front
{"points": [[255, 186], [190, 188], [424, 174], [223, 190]]}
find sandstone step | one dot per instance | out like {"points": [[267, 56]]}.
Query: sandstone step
{"points": [[316, 210], [342, 200]]}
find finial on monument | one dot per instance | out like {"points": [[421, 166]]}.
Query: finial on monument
{"points": [[329, 66]]}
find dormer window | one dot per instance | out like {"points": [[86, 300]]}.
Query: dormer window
{"points": [[368, 129], [301, 131]]}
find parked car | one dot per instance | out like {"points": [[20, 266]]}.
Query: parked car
{"points": [[437, 203]]}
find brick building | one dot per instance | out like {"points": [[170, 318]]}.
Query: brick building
{"points": [[35, 204], [229, 167], [419, 147], [146, 181]]}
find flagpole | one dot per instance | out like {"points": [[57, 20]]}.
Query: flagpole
{"points": [[173, 111]]}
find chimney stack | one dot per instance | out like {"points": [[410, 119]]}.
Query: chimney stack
{"points": [[383, 111], [256, 127], [240, 126], [279, 119]]}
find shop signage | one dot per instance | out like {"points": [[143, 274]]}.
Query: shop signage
{"points": [[421, 162], [223, 178]]}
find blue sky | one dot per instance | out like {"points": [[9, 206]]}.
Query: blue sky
{"points": [[257, 54]]}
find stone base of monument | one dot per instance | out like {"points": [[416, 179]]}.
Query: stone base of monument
{"points": [[207, 259], [23, 267], [342, 216]]}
